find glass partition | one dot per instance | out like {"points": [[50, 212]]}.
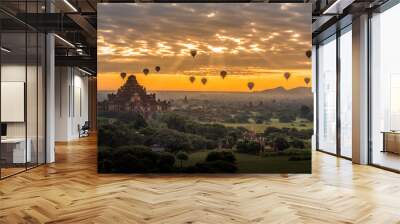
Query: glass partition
{"points": [[346, 93], [31, 98], [327, 95], [385, 89], [41, 96], [22, 91], [13, 114]]}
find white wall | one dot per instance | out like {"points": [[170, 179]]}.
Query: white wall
{"points": [[71, 103], [33, 126], [14, 73]]}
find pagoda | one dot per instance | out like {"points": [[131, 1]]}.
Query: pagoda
{"points": [[132, 97]]}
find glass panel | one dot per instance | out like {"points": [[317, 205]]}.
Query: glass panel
{"points": [[385, 84], [31, 98], [41, 98], [13, 86], [31, 88], [346, 94], [23, 90], [327, 96]]}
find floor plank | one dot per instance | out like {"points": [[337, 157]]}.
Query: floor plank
{"points": [[70, 191]]}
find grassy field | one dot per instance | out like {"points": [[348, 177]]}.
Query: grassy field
{"points": [[259, 128], [257, 164]]}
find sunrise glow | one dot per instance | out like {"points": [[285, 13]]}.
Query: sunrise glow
{"points": [[250, 49]]}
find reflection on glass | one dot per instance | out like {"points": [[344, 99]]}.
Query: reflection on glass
{"points": [[41, 99], [22, 91], [346, 94], [327, 96], [31, 97], [385, 89], [14, 153]]}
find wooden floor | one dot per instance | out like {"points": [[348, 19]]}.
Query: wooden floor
{"points": [[70, 191]]}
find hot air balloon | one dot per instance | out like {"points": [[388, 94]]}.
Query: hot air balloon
{"points": [[157, 68], [193, 53], [308, 53], [204, 81], [123, 75], [192, 79], [286, 75], [250, 85], [307, 80], [146, 71], [223, 74]]}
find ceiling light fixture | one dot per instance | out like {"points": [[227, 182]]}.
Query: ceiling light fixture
{"points": [[70, 5], [84, 71], [337, 7], [5, 50], [64, 40]]}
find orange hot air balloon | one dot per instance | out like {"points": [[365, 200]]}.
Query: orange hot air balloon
{"points": [[250, 85], [192, 79], [223, 74], [308, 54], [286, 75], [307, 80], [146, 71], [123, 75], [193, 52], [204, 81]]}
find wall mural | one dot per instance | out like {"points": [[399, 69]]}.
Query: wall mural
{"points": [[204, 88]]}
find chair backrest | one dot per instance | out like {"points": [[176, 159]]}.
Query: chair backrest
{"points": [[86, 124]]}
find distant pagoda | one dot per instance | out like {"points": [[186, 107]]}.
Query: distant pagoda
{"points": [[132, 97]]}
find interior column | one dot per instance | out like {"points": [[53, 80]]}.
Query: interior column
{"points": [[360, 90]]}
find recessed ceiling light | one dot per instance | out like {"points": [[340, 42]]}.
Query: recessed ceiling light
{"points": [[84, 71], [5, 50], [337, 7], [64, 40], [70, 5]]}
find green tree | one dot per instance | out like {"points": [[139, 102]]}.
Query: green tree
{"points": [[173, 140], [280, 143], [297, 143], [166, 162], [222, 155], [249, 147], [306, 113], [175, 121], [287, 118], [182, 156]]}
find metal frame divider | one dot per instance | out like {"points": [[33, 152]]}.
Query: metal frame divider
{"points": [[44, 57], [338, 98]]}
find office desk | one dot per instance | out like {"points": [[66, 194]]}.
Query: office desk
{"points": [[13, 150], [391, 141]]}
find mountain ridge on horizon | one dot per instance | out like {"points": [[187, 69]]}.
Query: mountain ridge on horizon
{"points": [[279, 89]]}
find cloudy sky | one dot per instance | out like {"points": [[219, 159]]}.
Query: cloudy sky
{"points": [[253, 42]]}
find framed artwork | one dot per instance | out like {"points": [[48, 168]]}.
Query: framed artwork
{"points": [[204, 88]]}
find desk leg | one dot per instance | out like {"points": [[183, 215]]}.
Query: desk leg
{"points": [[384, 142]]}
